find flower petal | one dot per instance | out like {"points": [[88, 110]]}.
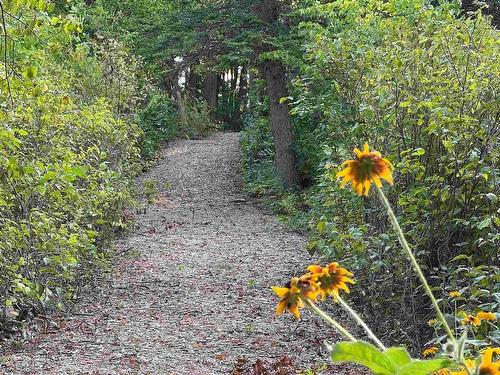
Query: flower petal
{"points": [[295, 311], [376, 181], [314, 268], [281, 307], [280, 291], [366, 187]]}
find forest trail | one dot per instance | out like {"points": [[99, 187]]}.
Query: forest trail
{"points": [[193, 293]]}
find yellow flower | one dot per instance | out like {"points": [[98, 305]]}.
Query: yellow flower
{"points": [[471, 320], [292, 294], [432, 322], [454, 294], [483, 315], [487, 366], [430, 351], [368, 167], [331, 279]]}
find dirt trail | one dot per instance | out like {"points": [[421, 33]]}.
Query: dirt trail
{"points": [[192, 296]]}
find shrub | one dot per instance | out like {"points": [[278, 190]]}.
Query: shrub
{"points": [[159, 121], [420, 81], [66, 159], [196, 121], [259, 170]]}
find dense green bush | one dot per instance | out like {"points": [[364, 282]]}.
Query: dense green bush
{"points": [[159, 121], [259, 170], [419, 82], [66, 157], [195, 119]]}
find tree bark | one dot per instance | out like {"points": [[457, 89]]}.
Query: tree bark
{"points": [[240, 99], [210, 93], [281, 126], [181, 105], [192, 81]]}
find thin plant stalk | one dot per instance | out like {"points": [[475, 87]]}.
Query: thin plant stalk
{"points": [[327, 318], [360, 321], [416, 266], [455, 314]]}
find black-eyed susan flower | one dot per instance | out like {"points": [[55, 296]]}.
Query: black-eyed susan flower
{"points": [[289, 298], [488, 365], [430, 351], [369, 166], [330, 279], [455, 294], [291, 295], [471, 320], [484, 315]]}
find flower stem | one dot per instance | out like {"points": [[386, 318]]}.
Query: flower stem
{"points": [[360, 321], [327, 318], [416, 266]]}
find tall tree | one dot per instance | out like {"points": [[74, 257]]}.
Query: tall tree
{"points": [[274, 73], [210, 93], [281, 125]]}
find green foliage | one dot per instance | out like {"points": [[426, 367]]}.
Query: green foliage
{"points": [[394, 361], [159, 121], [66, 156], [478, 287], [419, 83], [259, 170], [150, 190], [197, 120], [421, 87]]}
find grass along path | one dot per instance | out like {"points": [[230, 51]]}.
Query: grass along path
{"points": [[194, 295]]}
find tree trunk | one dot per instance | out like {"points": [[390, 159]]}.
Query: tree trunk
{"points": [[210, 88], [281, 127], [192, 82], [240, 99], [181, 105]]}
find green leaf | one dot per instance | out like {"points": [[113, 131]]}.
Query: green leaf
{"points": [[424, 367], [418, 152], [485, 223], [492, 197], [31, 72], [79, 171], [460, 257], [365, 354], [398, 356]]}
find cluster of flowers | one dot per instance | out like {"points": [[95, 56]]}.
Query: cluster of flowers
{"points": [[477, 319], [318, 282]]}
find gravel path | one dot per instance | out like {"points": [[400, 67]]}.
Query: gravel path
{"points": [[192, 293]]}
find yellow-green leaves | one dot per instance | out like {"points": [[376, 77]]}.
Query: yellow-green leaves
{"points": [[30, 72], [394, 361], [365, 354], [66, 155]]}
